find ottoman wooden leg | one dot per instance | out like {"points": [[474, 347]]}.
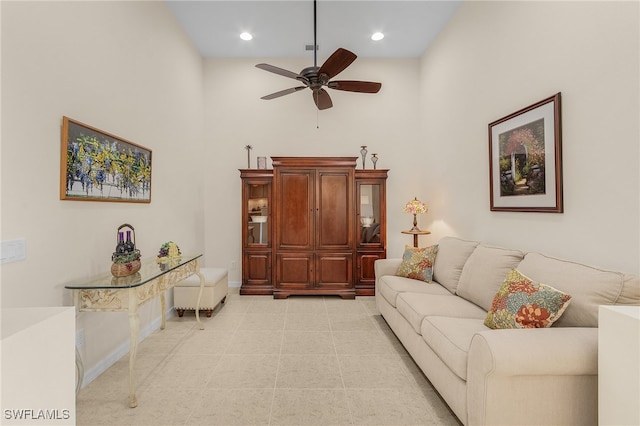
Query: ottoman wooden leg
{"points": [[223, 299], [180, 312], [209, 312]]}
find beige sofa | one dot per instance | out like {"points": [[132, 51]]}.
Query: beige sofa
{"points": [[540, 376]]}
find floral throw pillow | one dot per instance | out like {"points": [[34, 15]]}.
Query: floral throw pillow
{"points": [[417, 263], [523, 303]]}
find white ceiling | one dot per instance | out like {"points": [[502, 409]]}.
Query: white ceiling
{"points": [[284, 28]]}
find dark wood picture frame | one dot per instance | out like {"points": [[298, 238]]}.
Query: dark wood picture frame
{"points": [[525, 159], [98, 166]]}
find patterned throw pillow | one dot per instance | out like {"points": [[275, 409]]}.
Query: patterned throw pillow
{"points": [[523, 303], [417, 263]]}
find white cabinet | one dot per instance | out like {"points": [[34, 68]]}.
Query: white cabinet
{"points": [[619, 365], [38, 366]]}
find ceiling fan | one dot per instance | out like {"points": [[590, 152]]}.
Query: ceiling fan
{"points": [[316, 78]]}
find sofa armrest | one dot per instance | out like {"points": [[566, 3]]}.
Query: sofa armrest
{"points": [[555, 368], [540, 351], [384, 267]]}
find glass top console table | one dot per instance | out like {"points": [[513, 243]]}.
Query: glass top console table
{"points": [[106, 293]]}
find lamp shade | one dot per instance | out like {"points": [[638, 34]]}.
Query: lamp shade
{"points": [[415, 207]]}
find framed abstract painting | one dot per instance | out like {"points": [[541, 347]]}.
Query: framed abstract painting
{"points": [[98, 166]]}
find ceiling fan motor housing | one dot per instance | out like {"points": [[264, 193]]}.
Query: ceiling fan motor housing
{"points": [[312, 78]]}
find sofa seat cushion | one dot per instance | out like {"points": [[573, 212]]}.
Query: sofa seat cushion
{"points": [[389, 286], [452, 255], [414, 307], [484, 273], [450, 338]]}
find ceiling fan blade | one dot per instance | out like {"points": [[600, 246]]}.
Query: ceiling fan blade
{"points": [[337, 62], [322, 99], [355, 86], [279, 71], [283, 92]]}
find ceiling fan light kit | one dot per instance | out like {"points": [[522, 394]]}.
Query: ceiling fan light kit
{"points": [[317, 78]]}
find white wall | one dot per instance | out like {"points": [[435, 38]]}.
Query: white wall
{"points": [[123, 67], [495, 58], [288, 126]]}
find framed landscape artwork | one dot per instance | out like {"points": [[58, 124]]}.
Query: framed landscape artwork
{"points": [[98, 166], [525, 159]]}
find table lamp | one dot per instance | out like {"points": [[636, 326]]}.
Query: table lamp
{"points": [[415, 207]]}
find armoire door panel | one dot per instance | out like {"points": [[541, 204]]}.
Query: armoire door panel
{"points": [[294, 270], [334, 270], [365, 268], [295, 210], [257, 268], [334, 210]]}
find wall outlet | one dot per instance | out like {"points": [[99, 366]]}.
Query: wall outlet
{"points": [[80, 337]]}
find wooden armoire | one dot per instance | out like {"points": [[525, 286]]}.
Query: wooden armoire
{"points": [[312, 225]]}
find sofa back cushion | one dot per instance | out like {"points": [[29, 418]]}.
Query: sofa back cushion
{"points": [[452, 255], [588, 287], [485, 271], [630, 291]]}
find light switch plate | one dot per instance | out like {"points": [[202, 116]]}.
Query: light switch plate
{"points": [[13, 250]]}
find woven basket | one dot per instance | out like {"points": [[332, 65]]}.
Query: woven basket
{"points": [[125, 269], [126, 281]]}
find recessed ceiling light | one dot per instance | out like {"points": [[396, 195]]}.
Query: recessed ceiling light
{"points": [[377, 36], [246, 36]]}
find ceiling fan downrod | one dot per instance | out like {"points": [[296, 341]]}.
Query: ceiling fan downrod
{"points": [[315, 43]]}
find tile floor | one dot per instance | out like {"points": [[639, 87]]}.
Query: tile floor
{"points": [[260, 361]]}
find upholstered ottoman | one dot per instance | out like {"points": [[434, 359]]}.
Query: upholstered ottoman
{"points": [[216, 286]]}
